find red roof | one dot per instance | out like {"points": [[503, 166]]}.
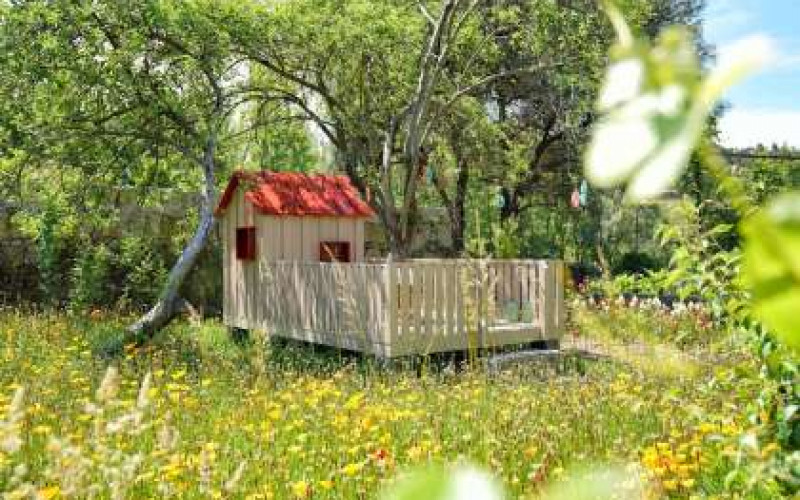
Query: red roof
{"points": [[286, 193]]}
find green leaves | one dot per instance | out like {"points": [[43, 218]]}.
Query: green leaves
{"points": [[772, 266], [439, 483], [654, 105]]}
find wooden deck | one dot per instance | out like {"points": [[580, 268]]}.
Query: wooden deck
{"points": [[411, 307]]}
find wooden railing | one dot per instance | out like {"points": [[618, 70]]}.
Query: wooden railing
{"points": [[412, 306]]}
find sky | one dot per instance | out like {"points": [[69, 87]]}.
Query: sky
{"points": [[766, 107]]}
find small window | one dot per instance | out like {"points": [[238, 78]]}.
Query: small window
{"points": [[334, 251], [246, 243]]}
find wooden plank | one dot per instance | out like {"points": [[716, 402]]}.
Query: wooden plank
{"points": [[277, 308], [268, 233], [450, 290], [415, 299], [559, 298], [259, 285], [408, 313], [461, 288], [399, 302], [541, 293], [390, 303], [359, 239], [522, 278], [441, 299], [302, 302], [241, 284], [346, 304], [346, 227], [226, 272], [364, 302], [292, 238], [328, 294], [426, 295], [310, 238], [508, 285], [316, 290], [376, 312]]}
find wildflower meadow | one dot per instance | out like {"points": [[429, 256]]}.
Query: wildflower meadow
{"points": [[196, 415]]}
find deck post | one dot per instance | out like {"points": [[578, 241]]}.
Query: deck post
{"points": [[553, 299]]}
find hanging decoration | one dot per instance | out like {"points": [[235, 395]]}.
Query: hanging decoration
{"points": [[500, 200], [575, 199], [584, 193], [431, 174]]}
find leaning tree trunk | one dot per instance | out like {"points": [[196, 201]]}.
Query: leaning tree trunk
{"points": [[170, 303]]}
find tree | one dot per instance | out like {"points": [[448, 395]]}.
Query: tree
{"points": [[376, 77], [101, 86]]}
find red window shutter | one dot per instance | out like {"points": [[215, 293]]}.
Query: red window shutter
{"points": [[334, 251], [246, 243]]}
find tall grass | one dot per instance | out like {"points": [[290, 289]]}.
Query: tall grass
{"points": [[194, 415]]}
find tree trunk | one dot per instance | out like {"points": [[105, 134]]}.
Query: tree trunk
{"points": [[458, 209], [170, 303], [510, 206]]}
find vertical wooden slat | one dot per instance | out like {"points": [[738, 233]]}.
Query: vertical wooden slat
{"points": [[450, 289], [428, 305], [390, 303], [417, 296], [377, 317], [541, 289], [226, 284], [461, 293], [399, 305], [330, 298], [559, 298], [408, 303], [240, 278], [441, 299], [359, 240]]}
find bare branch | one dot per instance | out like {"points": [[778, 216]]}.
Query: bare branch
{"points": [[425, 13], [486, 80], [264, 123]]}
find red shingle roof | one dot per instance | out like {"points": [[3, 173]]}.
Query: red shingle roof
{"points": [[285, 193]]}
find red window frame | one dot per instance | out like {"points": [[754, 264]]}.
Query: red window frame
{"points": [[335, 251], [246, 243]]}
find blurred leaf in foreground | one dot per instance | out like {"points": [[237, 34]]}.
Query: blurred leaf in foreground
{"points": [[654, 104], [440, 483], [772, 266], [597, 483]]}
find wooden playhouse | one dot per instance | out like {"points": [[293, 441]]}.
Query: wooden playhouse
{"points": [[294, 266]]}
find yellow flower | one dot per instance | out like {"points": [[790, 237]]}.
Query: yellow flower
{"points": [[49, 492], [687, 483], [415, 452], [670, 485], [354, 402], [301, 489], [326, 484], [352, 469]]}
